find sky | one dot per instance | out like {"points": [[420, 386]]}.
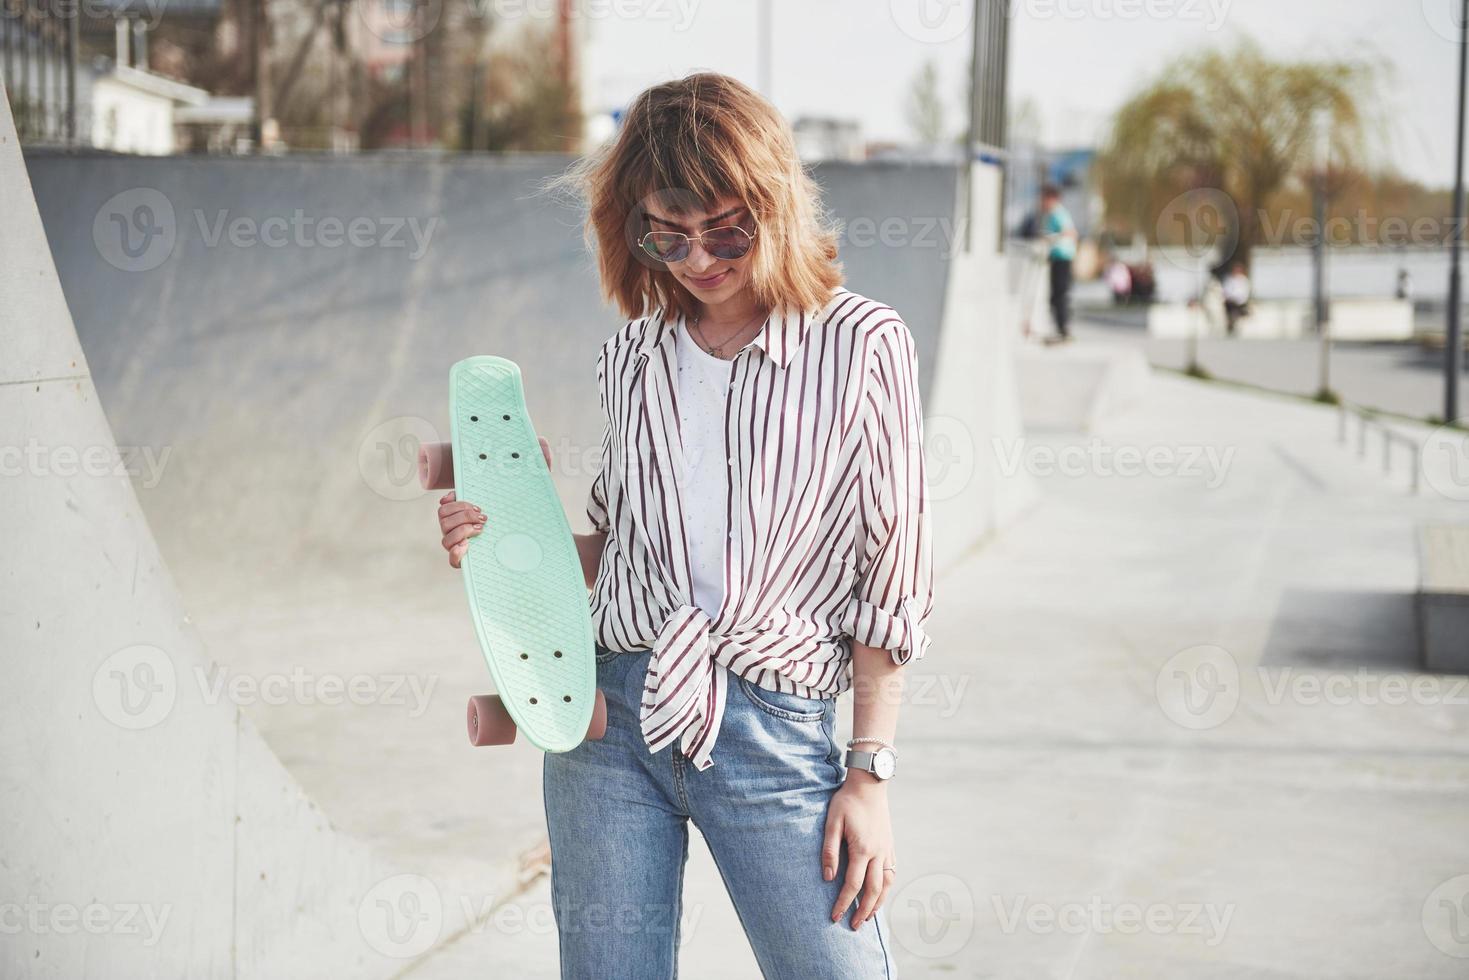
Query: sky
{"points": [[1076, 61]]}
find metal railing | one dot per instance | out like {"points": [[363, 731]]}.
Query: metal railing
{"points": [[1389, 437], [38, 65]]}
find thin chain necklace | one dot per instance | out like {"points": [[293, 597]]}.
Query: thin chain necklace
{"points": [[718, 349]]}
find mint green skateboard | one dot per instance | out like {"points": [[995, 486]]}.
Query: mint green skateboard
{"points": [[527, 595]]}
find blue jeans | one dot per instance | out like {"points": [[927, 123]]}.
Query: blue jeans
{"points": [[618, 821]]}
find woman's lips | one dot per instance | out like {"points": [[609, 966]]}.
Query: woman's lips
{"points": [[711, 281]]}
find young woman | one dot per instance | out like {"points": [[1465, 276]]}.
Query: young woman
{"points": [[761, 544]]}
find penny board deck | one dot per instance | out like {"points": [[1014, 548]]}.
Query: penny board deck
{"points": [[527, 595]]}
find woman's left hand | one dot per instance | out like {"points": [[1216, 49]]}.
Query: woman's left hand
{"points": [[858, 815]]}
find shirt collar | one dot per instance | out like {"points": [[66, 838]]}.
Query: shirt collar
{"points": [[779, 339]]}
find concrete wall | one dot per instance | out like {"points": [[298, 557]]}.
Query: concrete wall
{"points": [[145, 828]]}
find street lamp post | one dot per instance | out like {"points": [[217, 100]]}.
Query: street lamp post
{"points": [[1454, 348], [1322, 126]]}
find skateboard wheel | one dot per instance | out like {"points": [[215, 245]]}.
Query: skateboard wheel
{"points": [[489, 722], [598, 727], [436, 466]]}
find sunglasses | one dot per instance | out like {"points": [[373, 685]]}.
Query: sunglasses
{"points": [[727, 242]]}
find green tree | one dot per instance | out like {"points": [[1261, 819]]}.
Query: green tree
{"points": [[1233, 120]]}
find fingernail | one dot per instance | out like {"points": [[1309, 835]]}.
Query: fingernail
{"points": [[828, 873]]}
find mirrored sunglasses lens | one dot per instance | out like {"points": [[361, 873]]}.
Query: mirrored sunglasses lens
{"points": [[727, 243], [666, 246]]}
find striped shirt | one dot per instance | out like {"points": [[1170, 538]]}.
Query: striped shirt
{"points": [[828, 513]]}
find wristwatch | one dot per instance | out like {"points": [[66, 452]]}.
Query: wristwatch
{"points": [[883, 763]]}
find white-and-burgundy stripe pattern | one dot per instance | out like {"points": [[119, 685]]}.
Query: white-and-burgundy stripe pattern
{"points": [[828, 513]]}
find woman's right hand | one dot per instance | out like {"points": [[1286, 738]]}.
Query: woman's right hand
{"points": [[459, 521]]}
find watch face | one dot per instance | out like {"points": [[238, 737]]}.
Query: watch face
{"points": [[884, 763]]}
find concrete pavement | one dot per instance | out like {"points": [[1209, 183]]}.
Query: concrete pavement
{"points": [[1170, 726]]}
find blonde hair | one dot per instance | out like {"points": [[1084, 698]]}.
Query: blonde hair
{"points": [[692, 141]]}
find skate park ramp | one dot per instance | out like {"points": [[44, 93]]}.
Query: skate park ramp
{"points": [[271, 341]]}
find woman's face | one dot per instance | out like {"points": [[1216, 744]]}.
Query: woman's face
{"points": [[712, 280]]}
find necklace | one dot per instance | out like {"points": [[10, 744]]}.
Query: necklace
{"points": [[718, 349]]}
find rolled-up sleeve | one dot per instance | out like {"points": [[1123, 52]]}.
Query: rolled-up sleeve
{"points": [[893, 598], [597, 512]]}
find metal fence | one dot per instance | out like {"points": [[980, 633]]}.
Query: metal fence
{"points": [[38, 64]]}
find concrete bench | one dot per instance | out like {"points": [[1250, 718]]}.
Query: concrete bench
{"points": [[1443, 597]]}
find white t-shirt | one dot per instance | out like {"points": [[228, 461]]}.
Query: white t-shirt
{"points": [[703, 385]]}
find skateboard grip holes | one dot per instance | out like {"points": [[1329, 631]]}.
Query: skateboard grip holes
{"points": [[474, 418], [515, 455], [557, 654], [525, 656], [505, 417], [483, 456], [533, 701], [567, 698]]}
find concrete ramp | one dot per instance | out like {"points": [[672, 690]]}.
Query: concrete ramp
{"points": [[145, 828]]}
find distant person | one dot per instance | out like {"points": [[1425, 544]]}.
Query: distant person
{"points": [[1119, 279], [1060, 235], [1405, 285], [1236, 287]]}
